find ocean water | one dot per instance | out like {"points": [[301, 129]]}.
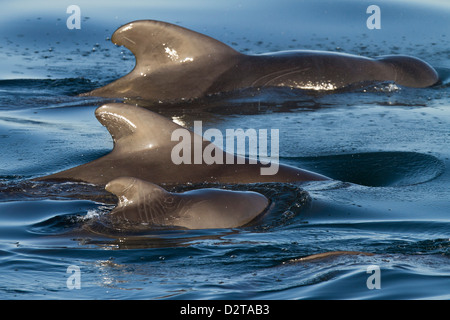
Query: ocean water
{"points": [[386, 147]]}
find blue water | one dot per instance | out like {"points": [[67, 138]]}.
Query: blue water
{"points": [[387, 147]]}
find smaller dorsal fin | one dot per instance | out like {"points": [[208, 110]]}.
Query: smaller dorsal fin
{"points": [[131, 190], [156, 43]]}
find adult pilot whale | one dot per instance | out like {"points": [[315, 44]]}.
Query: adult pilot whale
{"points": [[144, 146], [144, 204], [173, 63]]}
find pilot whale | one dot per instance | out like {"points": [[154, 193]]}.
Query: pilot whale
{"points": [[174, 63], [144, 204], [143, 148]]}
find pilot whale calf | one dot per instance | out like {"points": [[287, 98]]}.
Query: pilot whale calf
{"points": [[175, 63], [143, 148], [146, 204]]}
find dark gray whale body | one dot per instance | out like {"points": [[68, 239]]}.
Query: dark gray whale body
{"points": [[143, 149], [175, 63]]}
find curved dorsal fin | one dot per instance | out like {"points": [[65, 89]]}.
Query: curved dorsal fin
{"points": [[134, 128], [157, 43], [128, 189], [138, 201], [171, 62]]}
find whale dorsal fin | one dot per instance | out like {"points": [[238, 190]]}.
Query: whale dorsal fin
{"points": [[156, 44], [131, 190], [139, 201], [134, 128], [172, 62]]}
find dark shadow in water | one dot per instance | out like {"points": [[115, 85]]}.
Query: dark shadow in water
{"points": [[375, 169]]}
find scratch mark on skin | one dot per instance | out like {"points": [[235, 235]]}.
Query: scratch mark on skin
{"points": [[277, 75]]}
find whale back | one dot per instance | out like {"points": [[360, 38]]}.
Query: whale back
{"points": [[144, 147], [146, 204], [410, 71], [174, 63]]}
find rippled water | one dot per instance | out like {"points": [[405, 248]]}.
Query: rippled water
{"points": [[387, 148]]}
